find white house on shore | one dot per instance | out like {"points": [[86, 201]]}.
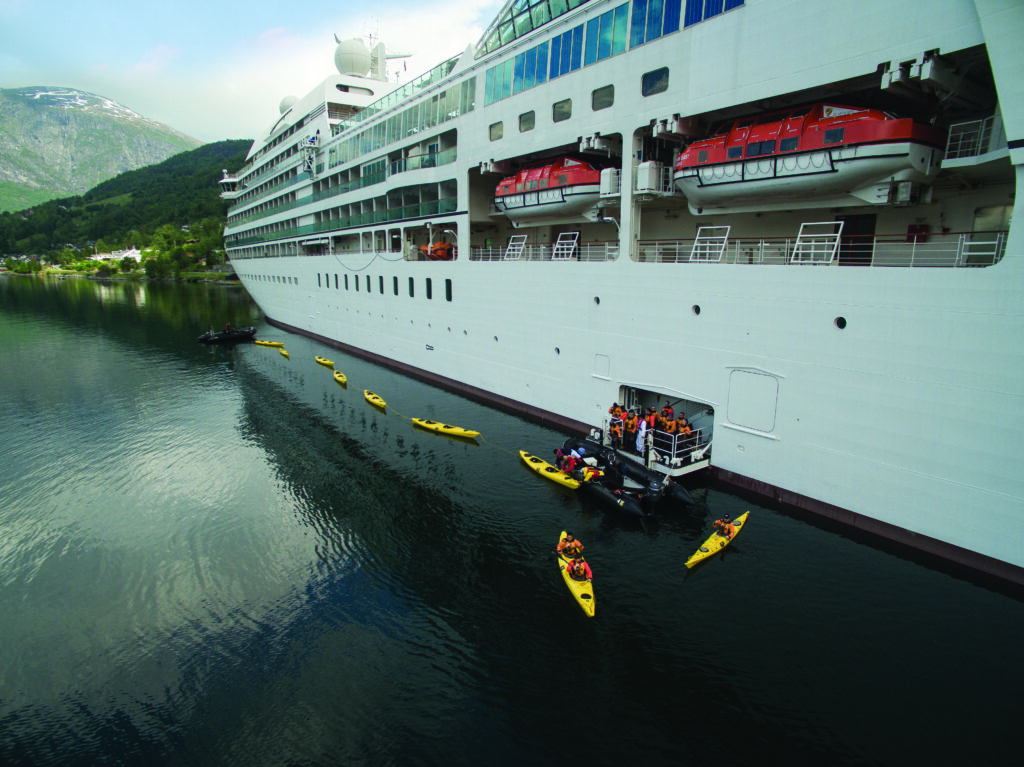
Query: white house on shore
{"points": [[118, 255]]}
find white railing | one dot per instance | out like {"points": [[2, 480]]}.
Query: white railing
{"points": [[591, 251], [953, 249], [970, 139]]}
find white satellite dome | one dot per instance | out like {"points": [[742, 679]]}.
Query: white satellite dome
{"points": [[352, 57], [287, 103]]}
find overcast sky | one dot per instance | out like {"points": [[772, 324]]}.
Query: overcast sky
{"points": [[217, 69]]}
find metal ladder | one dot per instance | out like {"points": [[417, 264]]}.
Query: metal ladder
{"points": [[565, 246]]}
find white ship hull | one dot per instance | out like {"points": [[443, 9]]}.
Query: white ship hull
{"points": [[890, 398]]}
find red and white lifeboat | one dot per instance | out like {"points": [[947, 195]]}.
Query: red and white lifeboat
{"points": [[820, 155], [563, 190]]}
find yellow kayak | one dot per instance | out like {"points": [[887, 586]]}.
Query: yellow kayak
{"points": [[341, 378], [443, 428], [373, 399], [716, 542], [324, 361], [583, 591], [548, 471], [284, 353], [277, 344]]}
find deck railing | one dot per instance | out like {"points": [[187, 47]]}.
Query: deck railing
{"points": [[953, 249], [590, 251], [970, 139]]}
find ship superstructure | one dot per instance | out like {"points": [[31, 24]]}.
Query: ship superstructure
{"points": [[832, 293]]}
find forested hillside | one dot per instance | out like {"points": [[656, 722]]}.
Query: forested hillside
{"points": [[127, 210]]}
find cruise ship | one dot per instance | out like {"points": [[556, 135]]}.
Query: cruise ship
{"points": [[789, 220]]}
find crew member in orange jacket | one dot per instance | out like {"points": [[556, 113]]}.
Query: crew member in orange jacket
{"points": [[725, 526]]}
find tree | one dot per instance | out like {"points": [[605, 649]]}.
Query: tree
{"points": [[127, 264]]}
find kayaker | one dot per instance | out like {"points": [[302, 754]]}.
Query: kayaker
{"points": [[725, 526], [570, 546], [579, 570]]}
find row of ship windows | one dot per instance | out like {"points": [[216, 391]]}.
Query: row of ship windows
{"points": [[600, 98], [597, 39], [760, 148], [323, 280]]}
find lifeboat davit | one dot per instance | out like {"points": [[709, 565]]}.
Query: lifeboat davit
{"points": [[563, 190], [812, 156]]}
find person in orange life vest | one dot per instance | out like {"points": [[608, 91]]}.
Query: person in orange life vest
{"points": [[669, 426], [579, 570], [652, 417], [631, 423], [591, 473], [569, 546], [682, 426], [667, 412], [725, 526], [615, 431], [615, 411]]}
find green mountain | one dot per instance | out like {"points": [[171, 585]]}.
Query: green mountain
{"points": [[56, 142], [128, 209]]}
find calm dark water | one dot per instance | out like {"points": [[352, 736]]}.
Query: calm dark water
{"points": [[221, 557]]}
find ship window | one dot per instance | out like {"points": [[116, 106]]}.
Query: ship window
{"points": [[368, 289], [527, 120], [356, 281], [531, 185], [318, 280], [497, 131], [702, 155], [448, 290], [563, 179], [412, 288], [561, 110], [395, 285], [734, 152], [759, 148], [834, 135], [654, 82], [335, 282], [380, 284], [430, 289], [602, 98], [346, 282], [789, 144]]}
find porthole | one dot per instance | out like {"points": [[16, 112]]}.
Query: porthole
{"points": [[840, 322], [597, 300], [557, 350], [696, 310]]}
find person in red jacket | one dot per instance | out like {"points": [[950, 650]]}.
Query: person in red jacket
{"points": [[579, 570], [725, 526]]}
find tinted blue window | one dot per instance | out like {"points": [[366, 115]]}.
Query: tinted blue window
{"points": [[530, 75], [566, 57], [654, 12], [621, 19], [590, 56], [489, 86], [694, 11], [639, 26], [577, 47], [672, 9], [730, 4], [520, 69], [712, 8], [542, 63], [604, 47], [556, 54]]}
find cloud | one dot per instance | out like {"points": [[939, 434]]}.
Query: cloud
{"points": [[155, 60]]}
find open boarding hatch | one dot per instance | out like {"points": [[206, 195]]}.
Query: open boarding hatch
{"points": [[668, 448]]}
